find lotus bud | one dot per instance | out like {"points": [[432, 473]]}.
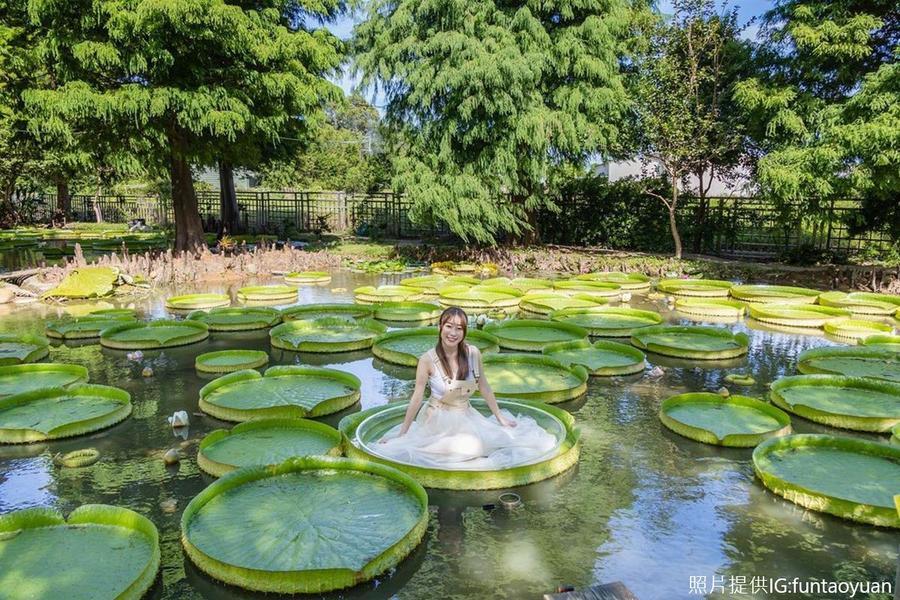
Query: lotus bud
{"points": [[656, 372], [147, 372], [179, 419], [172, 456], [626, 296], [723, 391]]}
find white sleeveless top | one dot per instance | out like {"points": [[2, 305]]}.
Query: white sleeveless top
{"points": [[439, 380]]}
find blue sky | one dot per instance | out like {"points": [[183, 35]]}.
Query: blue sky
{"points": [[747, 10]]}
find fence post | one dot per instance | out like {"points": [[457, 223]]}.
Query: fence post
{"points": [[830, 220]]}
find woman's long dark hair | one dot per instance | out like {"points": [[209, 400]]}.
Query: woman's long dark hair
{"points": [[462, 356]]}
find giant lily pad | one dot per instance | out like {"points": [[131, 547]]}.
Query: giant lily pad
{"points": [[284, 392], [155, 334], [86, 282], [847, 477], [407, 311], [405, 346], [860, 361], [710, 307], [532, 335], [849, 402], [317, 311], [534, 377], [691, 341], [776, 294], [736, 421], [701, 288], [86, 327], [856, 329], [268, 293], [362, 431], [307, 277], [882, 342], [265, 442], [101, 552], [51, 413], [327, 334], [238, 318], [602, 358], [18, 349], [481, 298], [524, 284], [197, 301], [629, 282], [387, 293], [795, 315], [16, 379], [608, 321], [543, 303], [228, 361], [433, 284], [862, 303], [356, 520], [597, 288]]}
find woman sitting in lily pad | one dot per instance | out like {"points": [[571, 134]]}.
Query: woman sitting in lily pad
{"points": [[447, 432]]}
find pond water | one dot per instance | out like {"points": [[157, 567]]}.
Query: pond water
{"points": [[643, 506]]}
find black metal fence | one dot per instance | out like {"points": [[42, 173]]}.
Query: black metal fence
{"points": [[724, 226]]}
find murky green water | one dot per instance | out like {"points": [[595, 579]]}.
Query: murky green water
{"points": [[643, 506]]}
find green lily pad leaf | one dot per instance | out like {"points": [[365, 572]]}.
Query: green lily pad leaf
{"points": [[480, 298], [702, 288], [17, 379], [608, 321], [326, 335], [543, 302], [597, 288], [386, 293], [268, 293], [736, 421], [266, 442], [777, 294], [228, 361], [856, 329], [195, 301], [838, 401], [409, 312], [237, 318], [862, 303], [602, 358], [51, 413], [796, 315], [86, 282], [155, 334], [691, 341], [88, 326], [356, 520], [284, 392], [307, 277], [532, 335], [405, 346], [18, 349], [629, 282], [101, 552], [310, 312], [534, 377], [710, 307], [861, 361], [847, 477], [363, 430]]}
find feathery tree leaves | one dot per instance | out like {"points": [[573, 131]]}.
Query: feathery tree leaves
{"points": [[487, 99], [828, 101], [185, 77]]}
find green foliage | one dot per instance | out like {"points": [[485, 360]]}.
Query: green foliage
{"points": [[828, 104], [685, 118], [182, 80], [486, 99], [345, 154]]}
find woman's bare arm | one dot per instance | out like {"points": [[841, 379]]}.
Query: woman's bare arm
{"points": [[488, 394], [423, 372]]}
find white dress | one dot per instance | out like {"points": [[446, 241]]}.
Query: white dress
{"points": [[448, 433]]}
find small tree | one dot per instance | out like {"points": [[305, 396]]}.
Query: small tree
{"points": [[684, 117]]}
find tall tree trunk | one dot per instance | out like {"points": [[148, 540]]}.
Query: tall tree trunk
{"points": [[700, 223], [188, 226], [228, 206], [63, 199], [98, 214], [673, 224]]}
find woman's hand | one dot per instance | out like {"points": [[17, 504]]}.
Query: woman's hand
{"points": [[506, 422], [388, 438]]}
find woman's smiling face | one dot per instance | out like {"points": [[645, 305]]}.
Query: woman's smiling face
{"points": [[453, 331]]}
